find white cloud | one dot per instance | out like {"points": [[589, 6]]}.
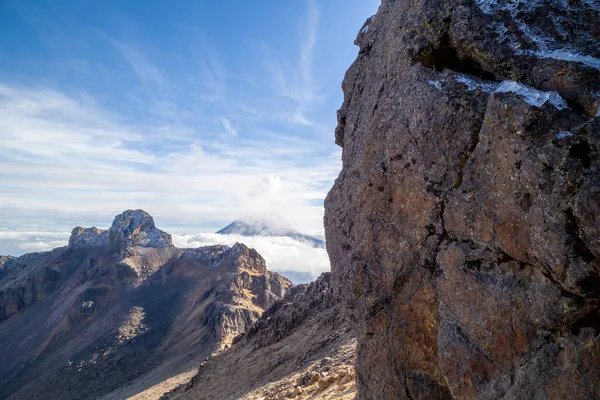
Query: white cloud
{"points": [[41, 246], [65, 161], [145, 70], [295, 260], [282, 254], [229, 126], [18, 242], [34, 236]]}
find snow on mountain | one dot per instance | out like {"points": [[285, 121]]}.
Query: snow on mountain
{"points": [[268, 225]]}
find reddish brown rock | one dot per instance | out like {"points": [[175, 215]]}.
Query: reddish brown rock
{"points": [[463, 228]]}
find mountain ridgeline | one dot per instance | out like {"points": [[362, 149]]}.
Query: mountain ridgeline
{"points": [[123, 313], [302, 348]]}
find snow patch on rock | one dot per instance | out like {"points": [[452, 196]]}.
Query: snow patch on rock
{"points": [[531, 95], [566, 55], [563, 135], [436, 84], [474, 83]]}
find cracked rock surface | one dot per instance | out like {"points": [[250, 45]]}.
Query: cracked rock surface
{"points": [[464, 228]]}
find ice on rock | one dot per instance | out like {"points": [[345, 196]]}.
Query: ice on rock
{"points": [[566, 55], [563, 135], [512, 6], [436, 84], [473, 83], [545, 47], [531, 95]]}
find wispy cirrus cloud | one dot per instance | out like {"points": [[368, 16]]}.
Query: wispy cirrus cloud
{"points": [[308, 37], [294, 78], [229, 126], [63, 157], [144, 69]]}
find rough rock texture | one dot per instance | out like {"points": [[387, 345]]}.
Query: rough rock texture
{"points": [[88, 237], [4, 260], [302, 348], [464, 227], [136, 228], [123, 313], [28, 279]]}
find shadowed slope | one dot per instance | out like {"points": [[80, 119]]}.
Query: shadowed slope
{"points": [[107, 313]]}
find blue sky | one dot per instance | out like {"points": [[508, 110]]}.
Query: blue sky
{"points": [[196, 111]]}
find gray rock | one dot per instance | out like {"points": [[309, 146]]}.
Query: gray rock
{"points": [[88, 237], [136, 228]]}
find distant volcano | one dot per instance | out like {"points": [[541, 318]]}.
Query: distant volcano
{"points": [[268, 225]]}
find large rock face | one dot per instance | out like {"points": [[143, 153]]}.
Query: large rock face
{"points": [[123, 313], [464, 228]]}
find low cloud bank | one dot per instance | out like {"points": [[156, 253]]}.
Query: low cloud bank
{"points": [[296, 260], [16, 243]]}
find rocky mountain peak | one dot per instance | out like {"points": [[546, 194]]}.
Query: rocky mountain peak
{"points": [[87, 237], [136, 228], [131, 228], [4, 259], [123, 297], [249, 258]]}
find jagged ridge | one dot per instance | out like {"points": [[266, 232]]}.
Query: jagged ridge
{"points": [[302, 347], [119, 311]]}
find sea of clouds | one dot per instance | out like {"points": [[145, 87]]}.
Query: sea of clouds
{"points": [[295, 260]]}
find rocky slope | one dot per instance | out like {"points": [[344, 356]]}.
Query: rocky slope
{"points": [[464, 227], [123, 313], [302, 348]]}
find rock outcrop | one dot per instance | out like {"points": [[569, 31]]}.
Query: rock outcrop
{"points": [[4, 260], [463, 229], [88, 238], [301, 348], [136, 229], [123, 313], [28, 279]]}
